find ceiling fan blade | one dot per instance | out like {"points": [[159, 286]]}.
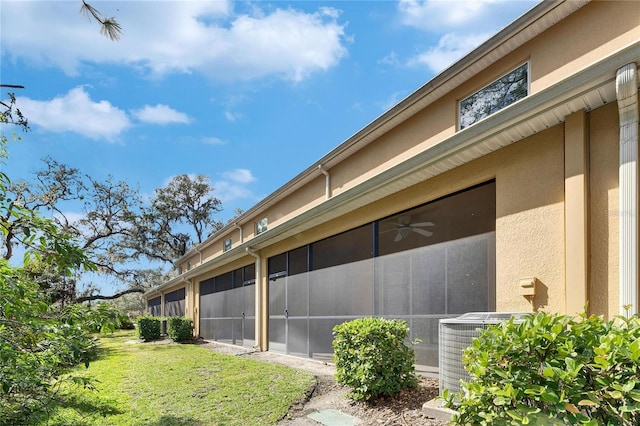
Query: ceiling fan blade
{"points": [[422, 232], [422, 224], [398, 237]]}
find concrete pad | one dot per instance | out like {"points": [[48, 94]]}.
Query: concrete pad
{"points": [[435, 409], [334, 418]]}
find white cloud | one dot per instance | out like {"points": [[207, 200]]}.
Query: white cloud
{"points": [[76, 112], [177, 37], [392, 100], [234, 186], [390, 59], [462, 25], [450, 48], [461, 15], [239, 175], [160, 114], [211, 140], [232, 116], [229, 191]]}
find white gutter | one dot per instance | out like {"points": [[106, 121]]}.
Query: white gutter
{"points": [[258, 297], [327, 182], [627, 95]]}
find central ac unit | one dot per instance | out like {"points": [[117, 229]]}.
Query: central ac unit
{"points": [[455, 335]]}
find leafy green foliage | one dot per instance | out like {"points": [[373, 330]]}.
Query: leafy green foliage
{"points": [[39, 341], [180, 329], [372, 358], [148, 327], [553, 369]]}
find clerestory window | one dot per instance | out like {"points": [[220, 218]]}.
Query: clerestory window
{"points": [[499, 94]]}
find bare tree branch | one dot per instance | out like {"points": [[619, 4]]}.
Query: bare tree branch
{"points": [[113, 296]]}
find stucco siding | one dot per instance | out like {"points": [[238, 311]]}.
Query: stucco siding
{"points": [[604, 161], [590, 34]]}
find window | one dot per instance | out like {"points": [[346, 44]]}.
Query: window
{"points": [[261, 226], [504, 91], [227, 245]]}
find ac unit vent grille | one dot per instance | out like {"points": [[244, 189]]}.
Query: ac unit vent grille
{"points": [[456, 335]]}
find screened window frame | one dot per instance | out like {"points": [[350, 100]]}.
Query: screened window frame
{"points": [[278, 266], [236, 278]]}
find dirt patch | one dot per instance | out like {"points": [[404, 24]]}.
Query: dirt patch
{"points": [[402, 409]]}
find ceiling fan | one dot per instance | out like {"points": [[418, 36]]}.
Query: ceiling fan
{"points": [[404, 228]]}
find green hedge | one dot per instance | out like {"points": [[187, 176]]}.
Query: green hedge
{"points": [[149, 327], [180, 329], [372, 358], [552, 369]]}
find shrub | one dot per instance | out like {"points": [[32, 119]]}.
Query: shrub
{"points": [[179, 329], [125, 322], [372, 358], [552, 369], [149, 327], [39, 344]]}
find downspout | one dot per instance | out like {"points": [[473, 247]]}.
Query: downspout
{"points": [[327, 182], [240, 228], [627, 96], [258, 295]]}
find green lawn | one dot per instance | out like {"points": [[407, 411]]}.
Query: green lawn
{"points": [[171, 384]]}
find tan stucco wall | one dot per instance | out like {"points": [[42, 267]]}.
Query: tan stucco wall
{"points": [[588, 35], [530, 222], [604, 226]]}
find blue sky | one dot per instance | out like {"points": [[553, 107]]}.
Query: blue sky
{"points": [[247, 93]]}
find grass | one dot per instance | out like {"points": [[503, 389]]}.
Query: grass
{"points": [[171, 384]]}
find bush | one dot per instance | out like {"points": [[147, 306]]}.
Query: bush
{"points": [[372, 358], [39, 344], [149, 327], [125, 322], [552, 370], [179, 329]]}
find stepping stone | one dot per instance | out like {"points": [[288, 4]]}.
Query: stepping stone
{"points": [[334, 418]]}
